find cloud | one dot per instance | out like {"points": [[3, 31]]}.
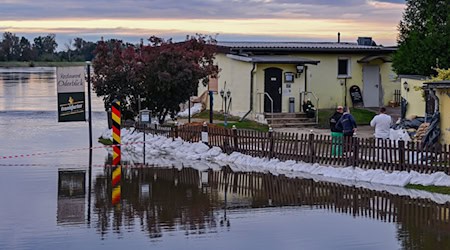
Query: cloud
{"points": [[370, 17], [198, 9]]}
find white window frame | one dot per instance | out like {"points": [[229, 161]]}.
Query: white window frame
{"points": [[349, 68]]}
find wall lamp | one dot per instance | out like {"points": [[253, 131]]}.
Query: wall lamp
{"points": [[300, 69], [406, 86]]}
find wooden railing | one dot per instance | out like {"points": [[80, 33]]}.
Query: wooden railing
{"points": [[366, 153]]}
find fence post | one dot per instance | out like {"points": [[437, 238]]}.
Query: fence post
{"points": [[355, 142], [312, 152], [271, 142], [401, 155], [175, 132], [204, 136], [235, 139]]}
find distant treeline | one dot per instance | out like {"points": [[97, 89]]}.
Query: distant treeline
{"points": [[43, 48]]}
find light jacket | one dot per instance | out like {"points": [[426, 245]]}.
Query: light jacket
{"points": [[382, 124]]}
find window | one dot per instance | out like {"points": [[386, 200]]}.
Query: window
{"points": [[344, 68]]}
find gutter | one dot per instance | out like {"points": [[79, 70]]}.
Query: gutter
{"points": [[251, 92]]}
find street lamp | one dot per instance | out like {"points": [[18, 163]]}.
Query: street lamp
{"points": [[144, 118]]}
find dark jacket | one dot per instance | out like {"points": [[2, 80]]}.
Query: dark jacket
{"points": [[347, 123], [333, 121]]}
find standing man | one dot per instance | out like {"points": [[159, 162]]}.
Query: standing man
{"points": [[382, 123], [347, 123], [336, 133]]}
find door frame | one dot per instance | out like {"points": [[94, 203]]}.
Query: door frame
{"points": [[366, 89], [272, 76]]}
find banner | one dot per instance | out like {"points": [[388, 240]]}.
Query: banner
{"points": [[70, 85]]}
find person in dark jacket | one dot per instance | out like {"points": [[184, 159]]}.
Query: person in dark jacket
{"points": [[348, 125], [336, 133]]}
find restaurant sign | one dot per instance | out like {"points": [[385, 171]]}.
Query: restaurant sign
{"points": [[70, 85]]}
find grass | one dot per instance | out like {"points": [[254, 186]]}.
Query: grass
{"points": [[247, 124], [362, 116], [232, 120], [40, 64], [434, 189], [105, 141], [216, 116]]}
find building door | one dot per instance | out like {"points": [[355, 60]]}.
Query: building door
{"points": [[371, 90], [272, 85]]}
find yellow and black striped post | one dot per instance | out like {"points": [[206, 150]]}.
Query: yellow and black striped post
{"points": [[116, 167]]}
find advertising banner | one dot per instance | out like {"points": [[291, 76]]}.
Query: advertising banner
{"points": [[70, 85]]}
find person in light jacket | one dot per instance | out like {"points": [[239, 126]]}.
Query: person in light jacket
{"points": [[382, 123]]}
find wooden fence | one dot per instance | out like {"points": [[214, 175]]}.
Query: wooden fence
{"points": [[366, 153]]}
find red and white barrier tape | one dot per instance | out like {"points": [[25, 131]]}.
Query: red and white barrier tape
{"points": [[65, 151], [76, 165]]}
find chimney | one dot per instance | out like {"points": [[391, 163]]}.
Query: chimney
{"points": [[366, 40], [339, 37]]}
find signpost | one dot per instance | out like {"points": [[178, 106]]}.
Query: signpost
{"points": [[144, 119], [70, 84]]}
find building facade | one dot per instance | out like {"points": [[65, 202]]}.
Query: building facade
{"points": [[265, 77]]}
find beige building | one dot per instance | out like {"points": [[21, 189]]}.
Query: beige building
{"points": [[262, 77], [412, 91], [424, 98]]}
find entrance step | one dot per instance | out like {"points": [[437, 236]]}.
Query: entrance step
{"points": [[293, 125], [280, 120], [285, 115]]}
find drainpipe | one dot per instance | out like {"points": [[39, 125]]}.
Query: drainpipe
{"points": [[433, 95], [251, 92], [306, 78]]}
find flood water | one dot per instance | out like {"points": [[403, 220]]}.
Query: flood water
{"points": [[59, 200]]}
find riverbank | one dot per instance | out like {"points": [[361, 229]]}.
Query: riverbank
{"points": [[12, 64]]}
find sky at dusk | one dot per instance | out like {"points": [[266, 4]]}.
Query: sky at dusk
{"points": [[230, 20]]}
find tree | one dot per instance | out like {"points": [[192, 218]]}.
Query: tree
{"points": [[172, 71], [45, 47], [10, 47], [424, 37], [25, 50], [68, 45], [84, 50], [115, 75], [165, 73]]}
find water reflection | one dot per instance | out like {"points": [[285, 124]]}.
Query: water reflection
{"points": [[167, 199], [161, 199], [71, 196]]}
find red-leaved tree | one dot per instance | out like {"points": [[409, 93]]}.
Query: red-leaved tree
{"points": [[116, 75], [165, 73], [171, 72]]}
